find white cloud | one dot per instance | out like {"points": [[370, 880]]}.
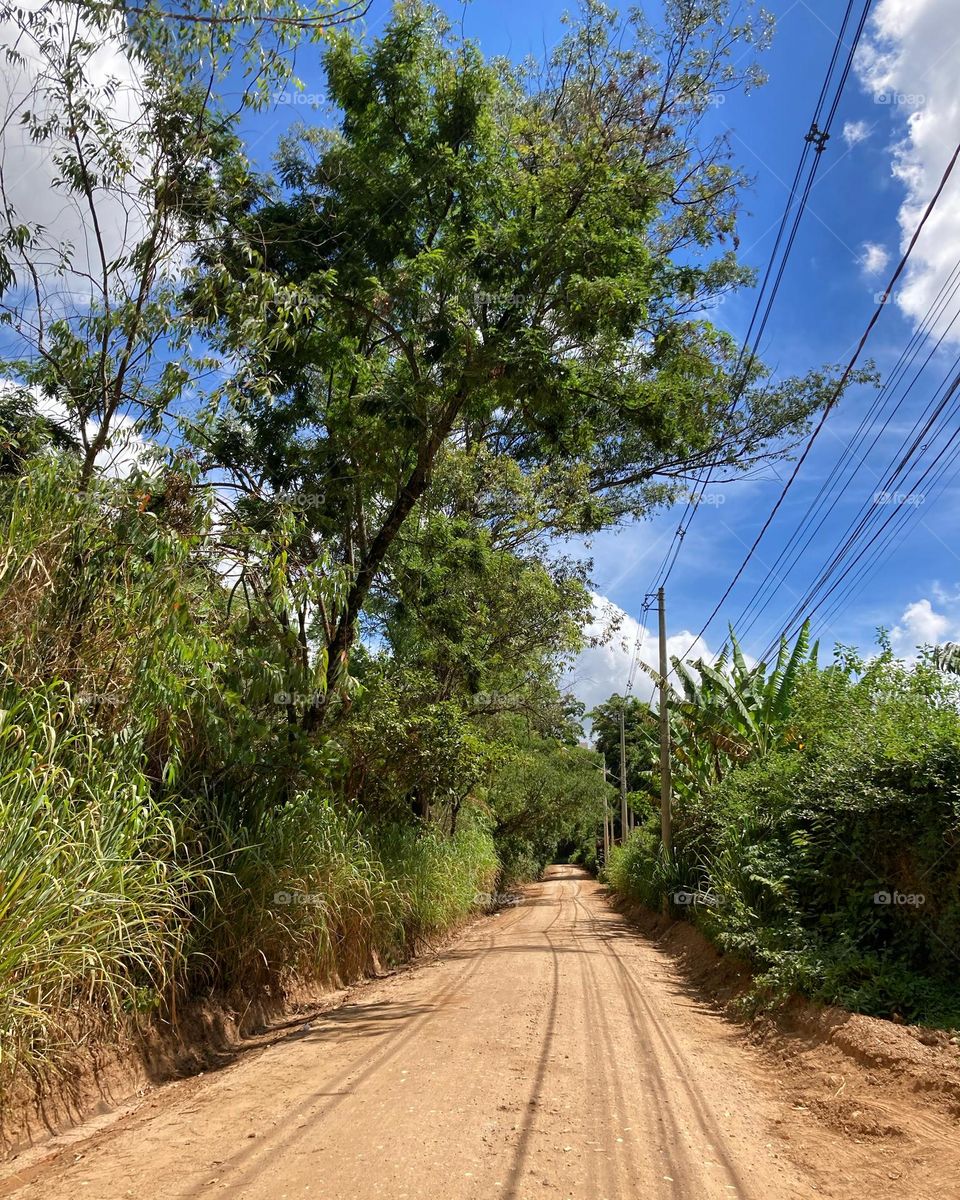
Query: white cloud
{"points": [[32, 179], [946, 595], [910, 64], [603, 669], [125, 450], [874, 258], [855, 132], [920, 625]]}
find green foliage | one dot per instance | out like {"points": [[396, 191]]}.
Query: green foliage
{"points": [[724, 714], [641, 743], [284, 699], [115, 902], [320, 894], [95, 897], [833, 860], [729, 713], [155, 799], [546, 795], [637, 869], [489, 275], [442, 878]]}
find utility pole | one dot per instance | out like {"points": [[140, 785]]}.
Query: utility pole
{"points": [[606, 815], [666, 823], [624, 829]]}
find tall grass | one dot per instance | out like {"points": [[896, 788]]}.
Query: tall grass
{"points": [[111, 904], [93, 895], [637, 870], [314, 895], [161, 836], [439, 876], [302, 897]]}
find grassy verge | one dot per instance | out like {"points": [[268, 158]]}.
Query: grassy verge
{"points": [[842, 887], [114, 905], [832, 865]]}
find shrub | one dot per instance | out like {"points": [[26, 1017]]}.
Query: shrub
{"points": [[94, 896], [798, 849]]}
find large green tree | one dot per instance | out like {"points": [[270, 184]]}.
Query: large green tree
{"points": [[513, 265], [127, 158]]}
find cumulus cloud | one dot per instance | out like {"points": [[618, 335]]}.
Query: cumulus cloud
{"points": [[34, 191], [604, 667], [855, 132], [921, 625], [874, 258], [125, 451], [910, 64]]}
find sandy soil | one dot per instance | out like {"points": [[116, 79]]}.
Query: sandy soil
{"points": [[552, 1050]]}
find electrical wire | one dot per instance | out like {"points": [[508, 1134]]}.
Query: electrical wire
{"points": [[838, 390]]}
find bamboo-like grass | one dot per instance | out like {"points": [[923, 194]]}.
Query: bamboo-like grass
{"points": [[108, 910], [131, 877], [94, 895]]}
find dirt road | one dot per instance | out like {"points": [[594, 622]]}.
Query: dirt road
{"points": [[551, 1051]]}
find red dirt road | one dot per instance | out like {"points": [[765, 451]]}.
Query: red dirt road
{"points": [[551, 1051]]}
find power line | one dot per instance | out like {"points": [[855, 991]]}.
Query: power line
{"points": [[827, 498], [859, 527], [848, 370], [814, 141], [895, 478], [866, 574]]}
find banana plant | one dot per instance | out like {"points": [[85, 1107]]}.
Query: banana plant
{"points": [[947, 657], [725, 712]]}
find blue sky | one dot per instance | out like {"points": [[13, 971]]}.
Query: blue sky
{"points": [[896, 129], [892, 139]]}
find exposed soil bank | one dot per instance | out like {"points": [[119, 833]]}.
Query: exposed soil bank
{"points": [[920, 1061]]}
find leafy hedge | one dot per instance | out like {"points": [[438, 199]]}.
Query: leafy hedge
{"points": [[834, 867]]}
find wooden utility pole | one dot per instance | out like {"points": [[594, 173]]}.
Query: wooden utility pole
{"points": [[624, 829], [606, 815], [666, 822]]}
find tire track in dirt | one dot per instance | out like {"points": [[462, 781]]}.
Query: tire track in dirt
{"points": [[555, 1055], [684, 1168], [367, 1069], [602, 1009], [512, 1189]]}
